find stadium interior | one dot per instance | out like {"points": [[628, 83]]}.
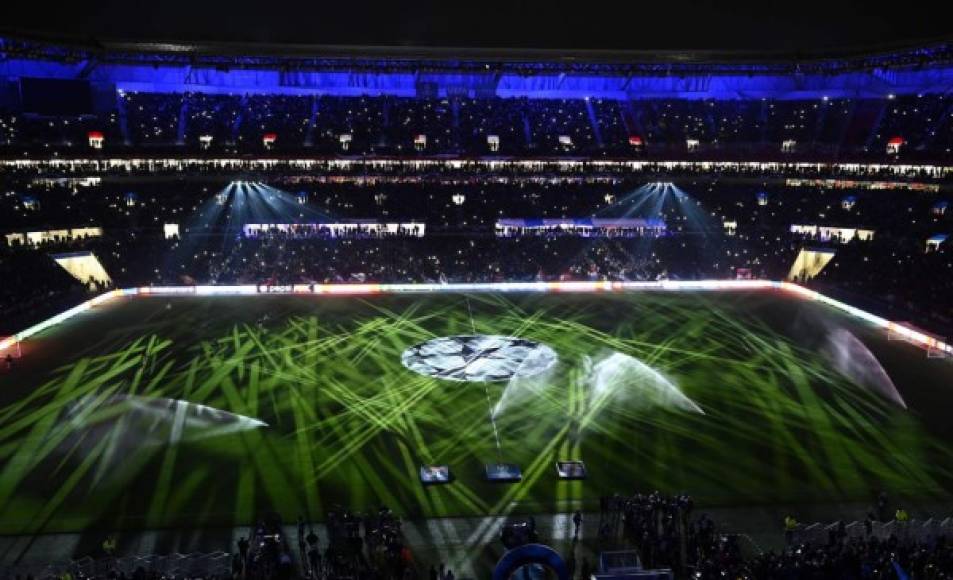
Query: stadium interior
{"points": [[275, 312]]}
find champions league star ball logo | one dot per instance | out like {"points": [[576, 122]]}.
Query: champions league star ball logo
{"points": [[479, 358]]}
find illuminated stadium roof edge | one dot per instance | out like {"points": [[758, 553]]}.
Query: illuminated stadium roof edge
{"points": [[926, 52], [443, 72]]}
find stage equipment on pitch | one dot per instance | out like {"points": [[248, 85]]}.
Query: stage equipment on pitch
{"points": [[571, 470], [434, 474], [503, 472]]}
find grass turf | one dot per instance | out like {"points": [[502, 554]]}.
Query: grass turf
{"points": [[349, 425]]}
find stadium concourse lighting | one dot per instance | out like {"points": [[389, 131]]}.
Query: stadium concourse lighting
{"points": [[926, 341]]}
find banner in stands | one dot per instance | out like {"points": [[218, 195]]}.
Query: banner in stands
{"points": [[50, 236], [584, 227], [854, 184], [833, 233], [337, 230]]}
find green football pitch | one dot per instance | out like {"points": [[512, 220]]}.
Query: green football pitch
{"points": [[206, 411]]}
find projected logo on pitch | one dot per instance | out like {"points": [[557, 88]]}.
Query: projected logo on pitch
{"points": [[479, 358]]}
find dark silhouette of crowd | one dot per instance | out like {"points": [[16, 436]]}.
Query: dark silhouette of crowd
{"points": [[662, 531], [842, 557], [666, 535], [657, 525], [369, 547]]}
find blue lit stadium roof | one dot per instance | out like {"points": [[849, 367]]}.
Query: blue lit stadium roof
{"points": [[418, 71]]}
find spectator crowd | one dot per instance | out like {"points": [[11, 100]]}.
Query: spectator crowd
{"points": [[594, 127], [713, 228]]}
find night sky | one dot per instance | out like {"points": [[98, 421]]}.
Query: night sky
{"points": [[790, 26]]}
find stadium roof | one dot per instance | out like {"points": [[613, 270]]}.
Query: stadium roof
{"points": [[524, 60]]}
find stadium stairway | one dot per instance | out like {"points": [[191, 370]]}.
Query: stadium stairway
{"points": [[183, 122], [594, 123]]}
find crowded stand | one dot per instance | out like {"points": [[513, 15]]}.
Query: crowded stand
{"points": [[451, 231], [825, 128], [152, 119]]}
